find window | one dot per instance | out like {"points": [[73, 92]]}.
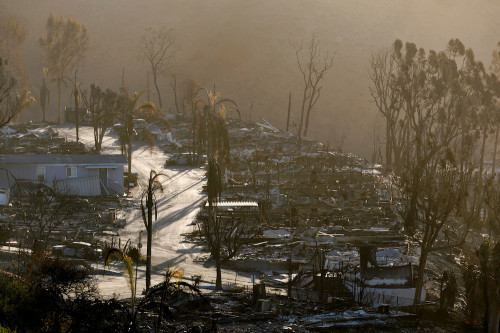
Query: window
{"points": [[71, 172], [40, 174]]}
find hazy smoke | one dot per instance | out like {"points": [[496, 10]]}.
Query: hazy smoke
{"points": [[243, 48]]}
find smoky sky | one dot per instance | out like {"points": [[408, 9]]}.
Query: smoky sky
{"points": [[243, 48]]}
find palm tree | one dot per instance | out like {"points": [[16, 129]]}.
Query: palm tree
{"points": [[212, 226], [23, 99], [148, 201], [213, 124], [131, 107], [116, 253]]}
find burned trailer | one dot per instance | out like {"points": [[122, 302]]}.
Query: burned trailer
{"points": [[249, 209], [379, 283]]}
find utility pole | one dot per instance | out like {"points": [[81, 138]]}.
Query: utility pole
{"points": [[289, 108]]}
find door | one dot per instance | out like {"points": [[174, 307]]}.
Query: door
{"points": [[4, 197], [103, 176]]}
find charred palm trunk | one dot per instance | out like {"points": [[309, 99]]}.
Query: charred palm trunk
{"points": [[149, 204]]}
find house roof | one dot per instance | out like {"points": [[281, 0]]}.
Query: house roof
{"points": [[230, 204], [48, 159]]}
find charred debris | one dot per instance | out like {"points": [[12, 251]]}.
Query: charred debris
{"points": [[328, 237]]}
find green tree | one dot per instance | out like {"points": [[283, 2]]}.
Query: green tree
{"points": [[64, 48], [12, 38], [103, 106], [213, 128], [15, 95], [440, 92], [8, 109], [131, 108], [148, 203], [495, 68], [128, 267], [158, 51]]}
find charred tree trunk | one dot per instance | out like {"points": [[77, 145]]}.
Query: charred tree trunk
{"points": [[155, 81], [388, 145], [304, 97], [218, 264], [174, 87], [424, 252]]}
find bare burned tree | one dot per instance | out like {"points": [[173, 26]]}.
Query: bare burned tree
{"points": [[190, 104], [47, 211], [383, 75], [313, 68], [158, 51]]}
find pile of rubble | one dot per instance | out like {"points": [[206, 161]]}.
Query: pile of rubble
{"points": [[97, 221], [36, 139]]}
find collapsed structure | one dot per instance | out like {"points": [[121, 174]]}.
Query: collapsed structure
{"points": [[320, 210]]}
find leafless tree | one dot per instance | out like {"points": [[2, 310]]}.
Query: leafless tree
{"points": [[190, 104], [313, 68], [47, 211], [158, 51], [386, 96]]}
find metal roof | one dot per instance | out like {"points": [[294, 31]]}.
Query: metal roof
{"points": [[50, 159], [226, 204]]}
